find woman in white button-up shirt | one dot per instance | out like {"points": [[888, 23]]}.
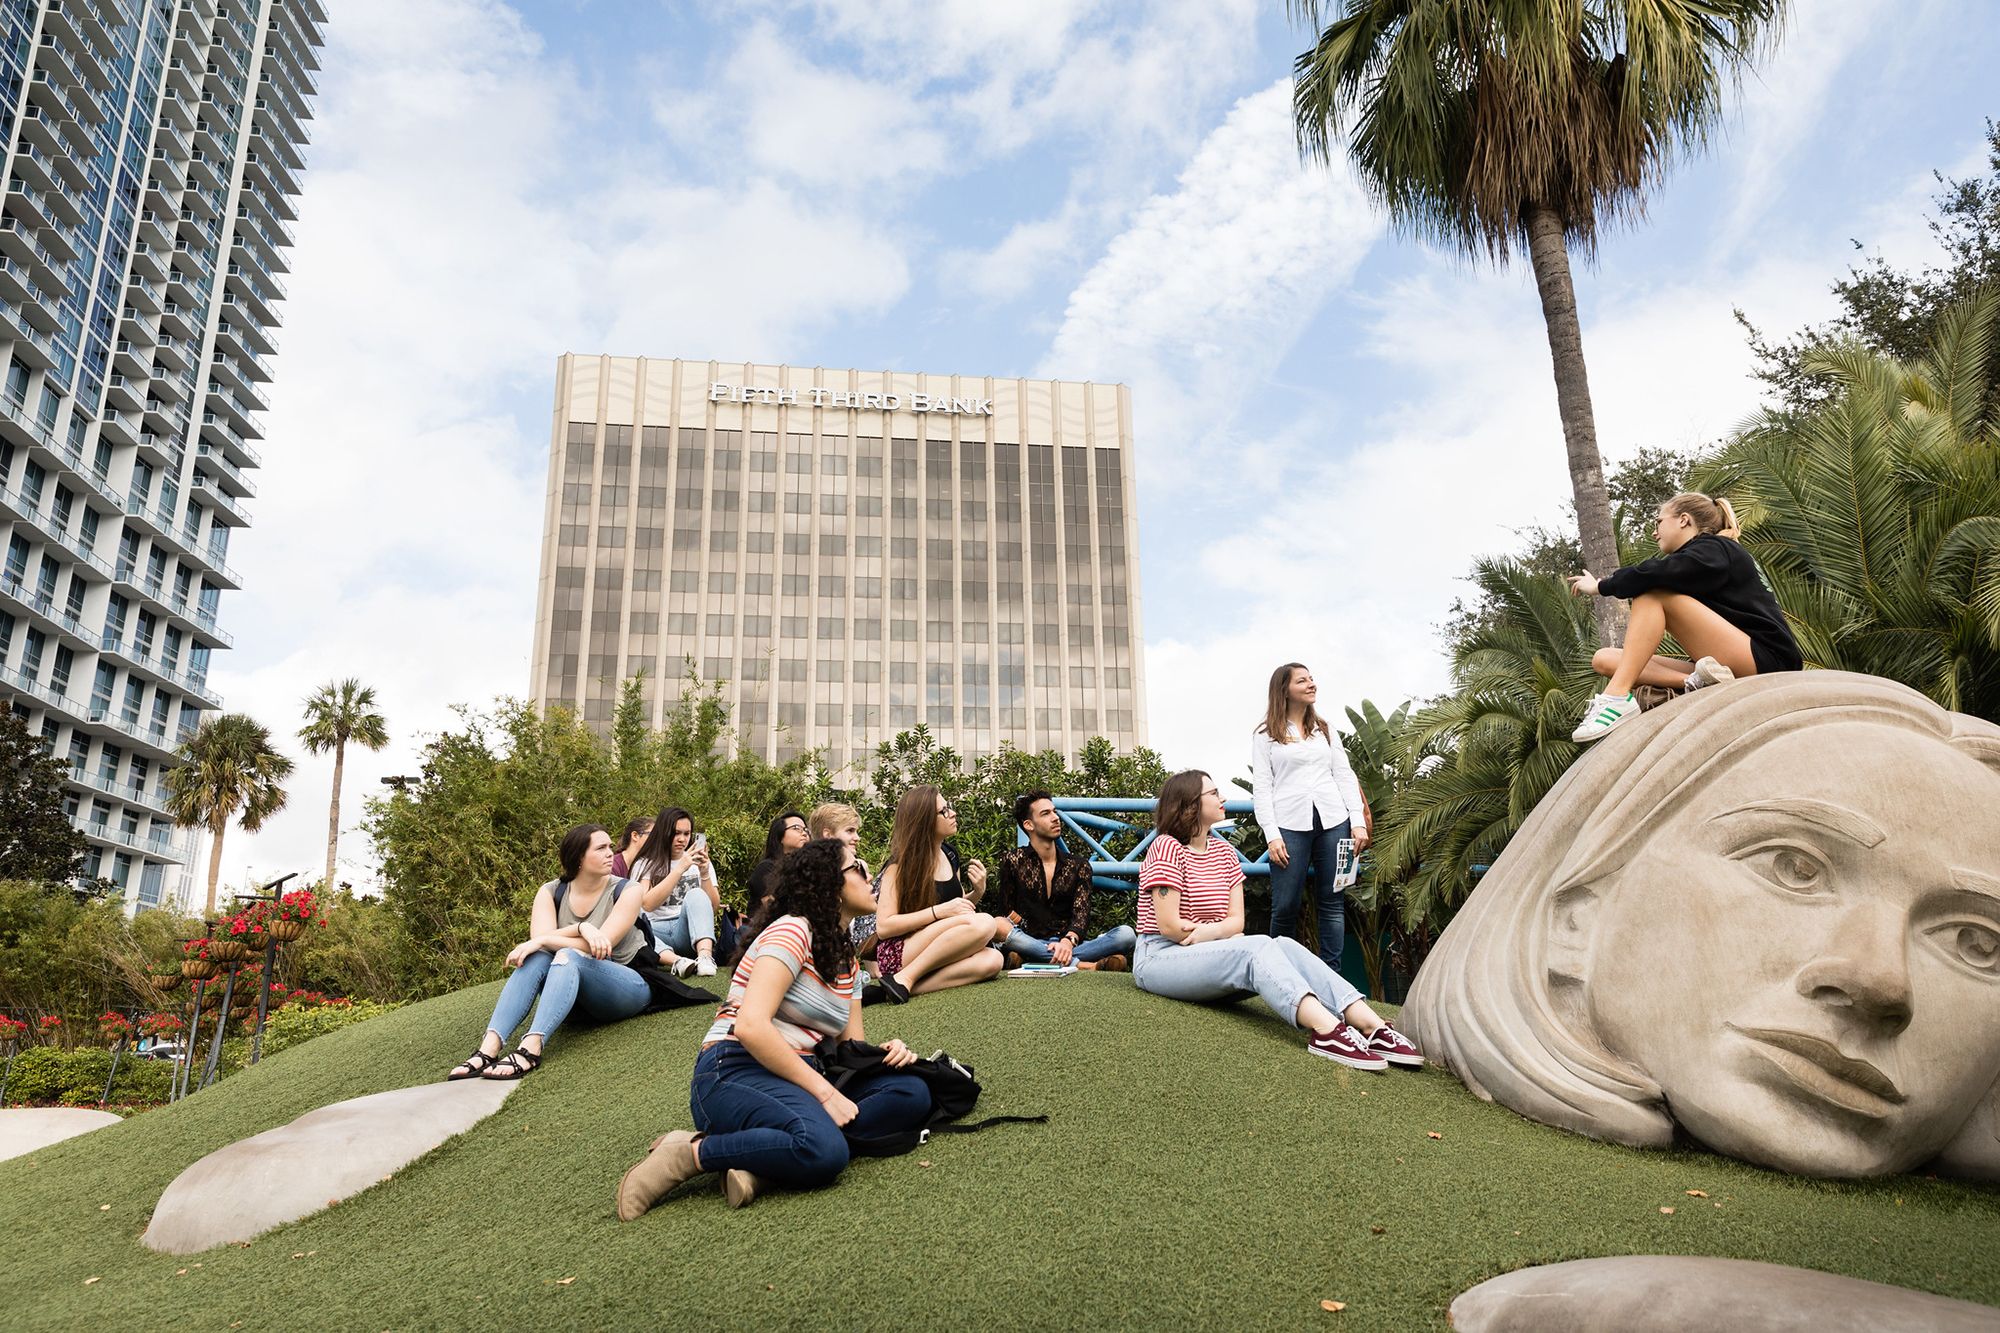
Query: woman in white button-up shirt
{"points": [[1307, 800]]}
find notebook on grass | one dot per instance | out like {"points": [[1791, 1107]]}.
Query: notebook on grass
{"points": [[1042, 970]]}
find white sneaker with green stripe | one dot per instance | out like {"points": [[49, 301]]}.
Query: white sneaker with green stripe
{"points": [[1605, 712]]}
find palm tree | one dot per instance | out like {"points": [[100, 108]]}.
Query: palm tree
{"points": [[337, 713], [227, 768], [1481, 757], [1487, 125], [1876, 517]]}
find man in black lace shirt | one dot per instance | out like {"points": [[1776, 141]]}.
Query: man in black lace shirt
{"points": [[1046, 892]]}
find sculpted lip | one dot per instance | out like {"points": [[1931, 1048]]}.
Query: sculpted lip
{"points": [[1818, 1067]]}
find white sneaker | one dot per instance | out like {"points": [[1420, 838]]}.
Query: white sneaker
{"points": [[1708, 671], [704, 966], [683, 967], [1605, 712]]}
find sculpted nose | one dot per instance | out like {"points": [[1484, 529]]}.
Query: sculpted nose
{"points": [[1865, 969]]}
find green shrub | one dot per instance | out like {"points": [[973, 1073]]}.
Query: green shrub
{"points": [[294, 1023], [45, 1076]]}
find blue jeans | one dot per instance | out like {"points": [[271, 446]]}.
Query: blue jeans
{"points": [[773, 1128], [695, 923], [1318, 851], [600, 989], [1118, 939], [1282, 972]]}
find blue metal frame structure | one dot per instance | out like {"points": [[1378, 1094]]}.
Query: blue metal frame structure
{"points": [[1082, 814]]}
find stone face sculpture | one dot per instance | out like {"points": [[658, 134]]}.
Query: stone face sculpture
{"points": [[1767, 914]]}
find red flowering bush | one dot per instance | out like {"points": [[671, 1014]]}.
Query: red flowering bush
{"points": [[195, 949], [247, 925], [298, 905], [114, 1027], [161, 1026], [11, 1029], [51, 1024]]}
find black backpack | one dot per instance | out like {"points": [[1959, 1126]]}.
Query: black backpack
{"points": [[954, 1091]]}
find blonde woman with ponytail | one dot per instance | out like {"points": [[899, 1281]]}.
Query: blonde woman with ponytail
{"points": [[1703, 589]]}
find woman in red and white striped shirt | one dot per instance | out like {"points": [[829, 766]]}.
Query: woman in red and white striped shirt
{"points": [[1192, 945]]}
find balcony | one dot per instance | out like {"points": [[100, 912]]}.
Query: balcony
{"points": [[227, 509], [174, 321], [146, 663], [161, 845], [20, 684], [55, 60], [48, 612], [144, 295], [227, 474], [29, 204], [154, 802], [139, 510]]}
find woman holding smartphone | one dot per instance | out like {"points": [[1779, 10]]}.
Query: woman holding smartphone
{"points": [[1307, 801], [764, 1111], [681, 896]]}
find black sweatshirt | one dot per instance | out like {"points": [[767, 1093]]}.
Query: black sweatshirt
{"points": [[1719, 574]]}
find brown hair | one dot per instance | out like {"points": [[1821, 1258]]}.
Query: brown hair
{"points": [[913, 849], [1712, 514], [1278, 707], [829, 817], [1178, 813]]}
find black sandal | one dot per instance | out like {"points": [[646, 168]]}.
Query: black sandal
{"points": [[474, 1065], [518, 1065]]}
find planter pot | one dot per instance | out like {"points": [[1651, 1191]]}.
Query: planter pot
{"points": [[284, 932], [166, 981], [211, 999], [228, 951], [199, 969]]}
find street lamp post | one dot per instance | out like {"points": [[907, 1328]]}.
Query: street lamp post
{"points": [[270, 893]]}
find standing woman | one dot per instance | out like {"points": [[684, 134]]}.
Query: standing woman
{"points": [[929, 933], [681, 894], [1307, 800], [1192, 945], [765, 1111], [1705, 590], [578, 955], [787, 834]]}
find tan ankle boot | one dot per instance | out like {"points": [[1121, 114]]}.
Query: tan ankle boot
{"points": [[671, 1163], [739, 1187]]}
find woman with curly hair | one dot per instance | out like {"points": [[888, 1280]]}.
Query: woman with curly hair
{"points": [[764, 1111]]}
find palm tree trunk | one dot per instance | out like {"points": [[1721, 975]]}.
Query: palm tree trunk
{"points": [[333, 813], [1550, 257], [215, 833]]}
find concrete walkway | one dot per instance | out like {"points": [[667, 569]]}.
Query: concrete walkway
{"points": [[23, 1129], [324, 1156]]}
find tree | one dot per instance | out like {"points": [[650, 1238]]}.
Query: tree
{"points": [[337, 713], [227, 770], [1876, 517], [37, 840], [1492, 125], [1500, 740], [1896, 311], [1384, 764]]}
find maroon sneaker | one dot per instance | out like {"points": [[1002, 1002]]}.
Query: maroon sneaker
{"points": [[1394, 1047], [1345, 1046]]}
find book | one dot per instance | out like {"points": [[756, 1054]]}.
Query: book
{"points": [[1041, 970]]}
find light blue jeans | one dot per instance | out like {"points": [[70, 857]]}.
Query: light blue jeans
{"points": [[695, 922], [1281, 972], [1118, 939], [554, 983]]}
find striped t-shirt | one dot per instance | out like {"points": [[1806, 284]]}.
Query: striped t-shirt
{"points": [[1205, 880], [811, 1011]]}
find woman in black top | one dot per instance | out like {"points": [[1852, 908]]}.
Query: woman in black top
{"points": [[787, 834], [1703, 589]]}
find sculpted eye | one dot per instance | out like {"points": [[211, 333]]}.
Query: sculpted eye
{"points": [[1793, 869], [1972, 943]]}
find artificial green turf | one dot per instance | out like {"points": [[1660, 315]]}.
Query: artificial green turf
{"points": [[1198, 1168]]}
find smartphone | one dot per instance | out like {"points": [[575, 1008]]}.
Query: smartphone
{"points": [[700, 842]]}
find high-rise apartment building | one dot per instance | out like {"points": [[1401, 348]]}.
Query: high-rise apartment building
{"points": [[853, 552], [153, 149]]}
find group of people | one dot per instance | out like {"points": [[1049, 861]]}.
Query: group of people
{"points": [[765, 1112]]}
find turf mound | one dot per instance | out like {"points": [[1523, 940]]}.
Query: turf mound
{"points": [[1198, 1167]]}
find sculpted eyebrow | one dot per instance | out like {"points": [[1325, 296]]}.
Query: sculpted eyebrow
{"points": [[1976, 885], [1820, 814]]}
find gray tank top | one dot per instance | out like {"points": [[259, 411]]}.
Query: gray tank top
{"points": [[623, 950]]}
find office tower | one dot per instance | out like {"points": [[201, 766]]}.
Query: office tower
{"points": [[153, 150], [853, 552]]}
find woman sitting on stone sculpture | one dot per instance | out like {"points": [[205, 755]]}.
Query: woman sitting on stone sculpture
{"points": [[930, 934], [1706, 591], [682, 898], [583, 938], [1768, 917], [764, 1111], [1192, 945]]}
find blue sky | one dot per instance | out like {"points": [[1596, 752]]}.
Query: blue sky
{"points": [[1331, 421]]}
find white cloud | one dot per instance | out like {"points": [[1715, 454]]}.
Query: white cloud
{"points": [[1210, 284]]}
